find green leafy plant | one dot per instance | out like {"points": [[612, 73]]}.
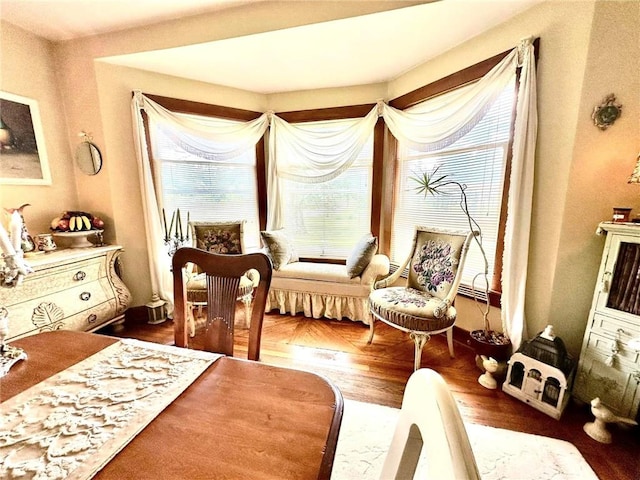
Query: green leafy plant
{"points": [[432, 183]]}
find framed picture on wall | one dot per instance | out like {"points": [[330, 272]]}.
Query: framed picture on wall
{"points": [[23, 157]]}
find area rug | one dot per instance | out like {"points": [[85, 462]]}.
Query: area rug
{"points": [[500, 454]]}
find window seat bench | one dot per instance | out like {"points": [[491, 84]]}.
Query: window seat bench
{"points": [[325, 289]]}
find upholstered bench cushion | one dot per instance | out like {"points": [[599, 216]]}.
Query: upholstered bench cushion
{"points": [[406, 308], [320, 272], [325, 289]]}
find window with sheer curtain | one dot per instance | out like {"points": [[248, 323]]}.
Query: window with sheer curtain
{"points": [[477, 160], [209, 190], [326, 220]]}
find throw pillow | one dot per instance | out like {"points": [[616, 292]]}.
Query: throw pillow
{"points": [[361, 255], [279, 248]]}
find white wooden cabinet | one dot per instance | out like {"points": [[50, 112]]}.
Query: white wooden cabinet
{"points": [[609, 365], [71, 289]]}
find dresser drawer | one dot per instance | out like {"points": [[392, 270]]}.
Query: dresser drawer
{"points": [[92, 319], [614, 328], [51, 312], [51, 280], [86, 321], [605, 346]]}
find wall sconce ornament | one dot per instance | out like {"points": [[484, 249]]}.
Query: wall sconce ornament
{"points": [[605, 114]]}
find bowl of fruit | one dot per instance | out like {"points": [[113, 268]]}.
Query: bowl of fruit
{"points": [[77, 226]]}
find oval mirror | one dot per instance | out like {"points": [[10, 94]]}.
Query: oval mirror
{"points": [[88, 158]]}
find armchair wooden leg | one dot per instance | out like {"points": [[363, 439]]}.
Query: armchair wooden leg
{"points": [[247, 299], [420, 339], [371, 327], [450, 342]]}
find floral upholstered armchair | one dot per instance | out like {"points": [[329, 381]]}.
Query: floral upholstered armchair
{"points": [[225, 238], [425, 305]]}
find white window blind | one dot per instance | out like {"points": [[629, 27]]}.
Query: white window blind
{"points": [[477, 160], [326, 220], [209, 190]]}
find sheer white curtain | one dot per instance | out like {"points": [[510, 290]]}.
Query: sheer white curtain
{"points": [[436, 125], [226, 142], [431, 129], [520, 200], [312, 155]]}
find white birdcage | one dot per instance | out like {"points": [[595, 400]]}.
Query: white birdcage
{"points": [[540, 374]]}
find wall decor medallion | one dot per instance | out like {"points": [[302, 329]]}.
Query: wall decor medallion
{"points": [[605, 114]]}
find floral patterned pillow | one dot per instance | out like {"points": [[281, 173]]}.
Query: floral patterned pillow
{"points": [[279, 248], [219, 238]]}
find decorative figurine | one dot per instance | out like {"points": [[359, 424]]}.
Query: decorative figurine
{"points": [[8, 354], [13, 268], [19, 235], [490, 366], [598, 428]]}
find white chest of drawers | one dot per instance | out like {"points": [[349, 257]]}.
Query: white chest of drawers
{"points": [[70, 289]]}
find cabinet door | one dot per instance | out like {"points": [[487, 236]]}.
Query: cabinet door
{"points": [[619, 283]]}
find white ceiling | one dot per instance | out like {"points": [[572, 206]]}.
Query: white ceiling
{"points": [[356, 51]]}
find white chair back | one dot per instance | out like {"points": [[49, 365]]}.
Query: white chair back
{"points": [[430, 426]]}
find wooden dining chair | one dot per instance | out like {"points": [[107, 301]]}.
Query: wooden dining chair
{"points": [[223, 274], [224, 238]]}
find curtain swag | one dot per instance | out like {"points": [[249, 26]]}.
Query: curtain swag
{"points": [[311, 155]]}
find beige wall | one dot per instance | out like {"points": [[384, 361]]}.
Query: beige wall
{"points": [[601, 164], [580, 171], [27, 68]]}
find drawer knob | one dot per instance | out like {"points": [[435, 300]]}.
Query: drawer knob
{"points": [[79, 276], [92, 318], [85, 296]]}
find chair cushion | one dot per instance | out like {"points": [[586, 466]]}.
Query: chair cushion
{"points": [[197, 288], [361, 255], [412, 309], [320, 272], [279, 247]]}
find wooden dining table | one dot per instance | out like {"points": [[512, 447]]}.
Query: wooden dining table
{"points": [[239, 419]]}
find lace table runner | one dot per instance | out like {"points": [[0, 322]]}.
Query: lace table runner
{"points": [[70, 425]]}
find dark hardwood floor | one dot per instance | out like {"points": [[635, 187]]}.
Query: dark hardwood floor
{"points": [[378, 372]]}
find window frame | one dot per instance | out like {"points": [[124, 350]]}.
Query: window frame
{"points": [[341, 113], [443, 85], [209, 110]]}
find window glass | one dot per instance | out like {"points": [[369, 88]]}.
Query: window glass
{"points": [[477, 160], [326, 220], [209, 190]]}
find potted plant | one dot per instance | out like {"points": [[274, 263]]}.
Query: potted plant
{"points": [[485, 341]]}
